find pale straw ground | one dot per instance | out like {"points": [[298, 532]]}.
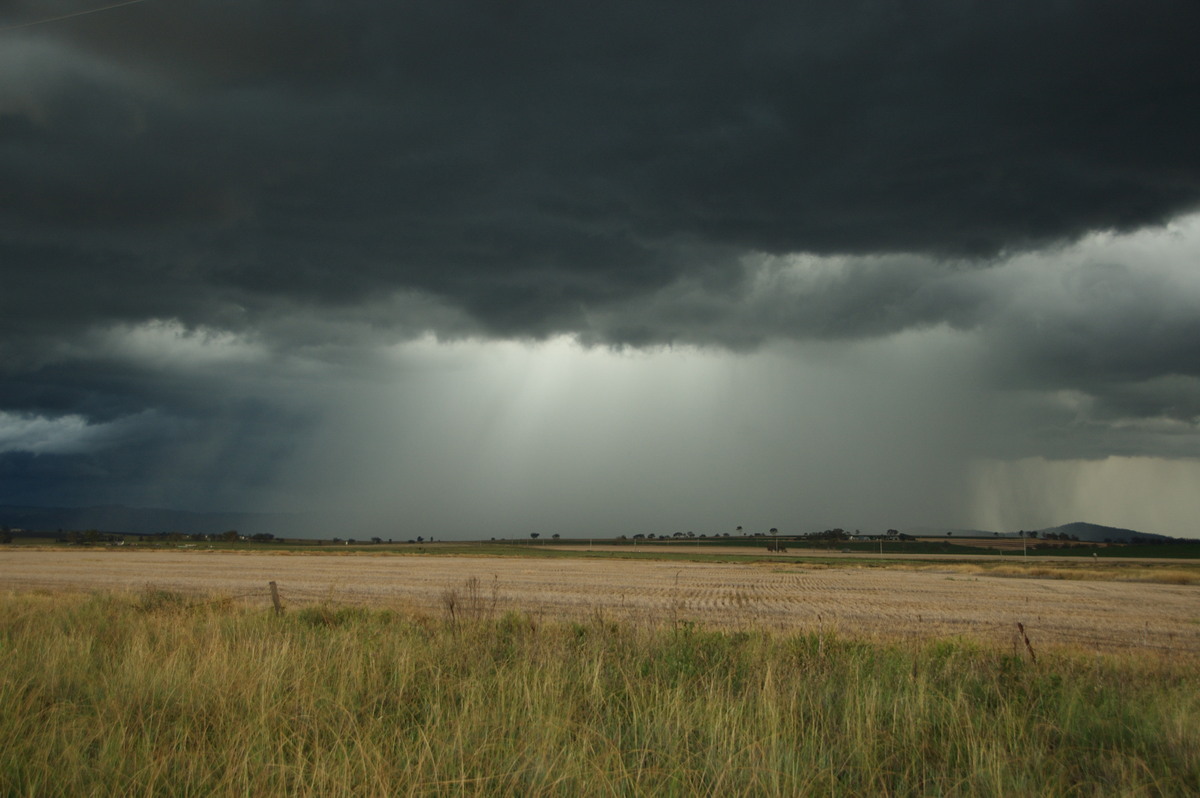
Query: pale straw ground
{"points": [[779, 596]]}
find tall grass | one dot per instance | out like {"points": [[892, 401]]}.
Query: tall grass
{"points": [[150, 695]]}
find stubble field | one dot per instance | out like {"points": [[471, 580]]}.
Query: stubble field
{"points": [[937, 601]]}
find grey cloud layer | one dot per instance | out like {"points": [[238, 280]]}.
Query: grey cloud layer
{"points": [[527, 162]]}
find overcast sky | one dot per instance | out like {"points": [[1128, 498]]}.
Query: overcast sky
{"points": [[479, 269]]}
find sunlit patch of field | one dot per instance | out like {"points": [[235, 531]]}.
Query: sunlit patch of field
{"points": [[1002, 544], [1158, 573], [914, 600]]}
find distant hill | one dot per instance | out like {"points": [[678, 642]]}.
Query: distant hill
{"points": [[1095, 533], [142, 520], [1092, 533]]}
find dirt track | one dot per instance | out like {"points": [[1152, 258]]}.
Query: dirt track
{"points": [[851, 599]]}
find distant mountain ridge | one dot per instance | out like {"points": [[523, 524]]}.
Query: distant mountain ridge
{"points": [[116, 518], [1095, 533], [1092, 533]]}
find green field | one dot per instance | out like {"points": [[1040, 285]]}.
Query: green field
{"points": [[157, 694]]}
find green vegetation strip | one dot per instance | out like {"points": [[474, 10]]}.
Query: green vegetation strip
{"points": [[158, 695]]}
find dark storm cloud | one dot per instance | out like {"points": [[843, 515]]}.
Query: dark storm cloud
{"points": [[528, 162], [221, 457], [316, 178]]}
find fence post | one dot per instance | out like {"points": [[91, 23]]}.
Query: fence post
{"points": [[275, 598], [1025, 637]]}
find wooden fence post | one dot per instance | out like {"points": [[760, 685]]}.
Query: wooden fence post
{"points": [[1025, 637], [275, 598]]}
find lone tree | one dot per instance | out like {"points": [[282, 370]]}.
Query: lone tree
{"points": [[774, 531], [533, 535]]}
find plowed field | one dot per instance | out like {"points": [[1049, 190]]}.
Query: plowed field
{"points": [[870, 601]]}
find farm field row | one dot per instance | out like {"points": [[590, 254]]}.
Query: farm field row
{"points": [[784, 596]]}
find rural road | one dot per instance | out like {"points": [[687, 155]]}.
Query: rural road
{"points": [[873, 601]]}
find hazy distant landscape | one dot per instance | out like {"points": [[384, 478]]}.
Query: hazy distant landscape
{"points": [[117, 519]]}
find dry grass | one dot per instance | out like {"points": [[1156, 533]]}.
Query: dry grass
{"points": [[157, 693]]}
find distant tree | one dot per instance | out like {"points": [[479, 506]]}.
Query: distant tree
{"points": [[420, 539], [739, 530], [533, 535], [555, 536], [376, 540], [829, 535], [774, 531], [230, 536], [5, 535]]}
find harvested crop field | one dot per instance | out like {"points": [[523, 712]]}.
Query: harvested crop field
{"points": [[786, 596]]}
